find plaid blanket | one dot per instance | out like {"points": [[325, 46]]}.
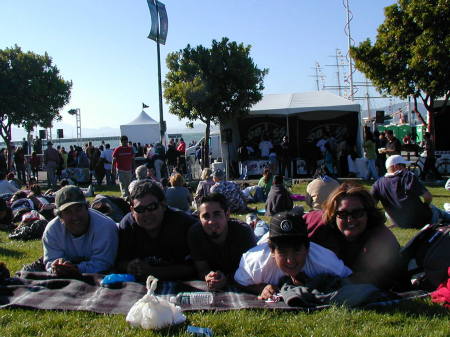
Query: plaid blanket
{"points": [[44, 291]]}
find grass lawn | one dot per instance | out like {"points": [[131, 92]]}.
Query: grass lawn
{"points": [[415, 318]]}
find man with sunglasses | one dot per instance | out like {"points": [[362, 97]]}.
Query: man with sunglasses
{"points": [[153, 237]]}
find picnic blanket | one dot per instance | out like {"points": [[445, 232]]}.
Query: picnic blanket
{"points": [[44, 291]]}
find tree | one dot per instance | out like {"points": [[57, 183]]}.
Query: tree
{"points": [[212, 85], [411, 54], [31, 91]]}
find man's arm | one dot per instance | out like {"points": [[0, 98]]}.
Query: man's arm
{"points": [[427, 197], [142, 269], [215, 280], [52, 241], [263, 290], [103, 252]]}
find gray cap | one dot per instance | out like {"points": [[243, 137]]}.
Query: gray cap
{"points": [[67, 196], [218, 173]]}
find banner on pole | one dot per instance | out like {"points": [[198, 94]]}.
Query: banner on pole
{"points": [[158, 10]]}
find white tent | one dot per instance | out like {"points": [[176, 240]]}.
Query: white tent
{"points": [[315, 105], [142, 129]]}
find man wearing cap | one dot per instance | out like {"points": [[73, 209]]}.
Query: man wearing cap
{"points": [[400, 193], [52, 161], [79, 239], [218, 242], [231, 191], [153, 237], [288, 252]]}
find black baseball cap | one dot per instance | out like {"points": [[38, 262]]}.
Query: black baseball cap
{"points": [[287, 224]]}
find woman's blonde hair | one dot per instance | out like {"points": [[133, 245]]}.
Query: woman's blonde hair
{"points": [[206, 173], [176, 180]]}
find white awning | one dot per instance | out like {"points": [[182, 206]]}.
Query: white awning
{"points": [[300, 103]]}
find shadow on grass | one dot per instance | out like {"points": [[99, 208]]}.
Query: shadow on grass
{"points": [[10, 252], [414, 308]]}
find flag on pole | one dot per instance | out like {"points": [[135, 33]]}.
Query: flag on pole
{"points": [[144, 106], [158, 10]]}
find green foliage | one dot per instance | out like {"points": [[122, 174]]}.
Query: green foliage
{"points": [[31, 90], [411, 53], [212, 84]]}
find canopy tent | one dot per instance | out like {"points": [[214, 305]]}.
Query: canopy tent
{"points": [[304, 118], [308, 105], [143, 129]]}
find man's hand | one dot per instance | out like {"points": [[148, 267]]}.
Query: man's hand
{"points": [[61, 267], [139, 268], [215, 280], [268, 291]]}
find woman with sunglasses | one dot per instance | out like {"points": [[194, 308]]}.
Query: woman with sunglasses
{"points": [[353, 228]]}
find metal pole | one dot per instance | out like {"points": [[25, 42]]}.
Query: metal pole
{"points": [[161, 115], [350, 62]]}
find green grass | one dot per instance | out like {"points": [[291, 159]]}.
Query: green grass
{"points": [[415, 318]]}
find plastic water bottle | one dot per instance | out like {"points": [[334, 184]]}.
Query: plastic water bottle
{"points": [[193, 298]]}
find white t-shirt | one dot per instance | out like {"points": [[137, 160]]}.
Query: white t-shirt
{"points": [[258, 266], [107, 155], [265, 147]]}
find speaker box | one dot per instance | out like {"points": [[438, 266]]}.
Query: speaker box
{"points": [[379, 117]]}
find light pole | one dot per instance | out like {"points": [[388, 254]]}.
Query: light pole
{"points": [[158, 33], [77, 114]]}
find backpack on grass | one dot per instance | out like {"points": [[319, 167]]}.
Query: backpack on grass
{"points": [[427, 254]]}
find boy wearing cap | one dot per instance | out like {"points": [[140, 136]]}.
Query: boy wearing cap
{"points": [[287, 252], [400, 193], [78, 239]]}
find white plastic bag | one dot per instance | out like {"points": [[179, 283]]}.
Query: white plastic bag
{"points": [[152, 312]]}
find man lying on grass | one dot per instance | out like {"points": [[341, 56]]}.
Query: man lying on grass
{"points": [[218, 242], [153, 237], [287, 252], [79, 239]]}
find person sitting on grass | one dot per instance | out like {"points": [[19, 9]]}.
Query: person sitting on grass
{"points": [[401, 194], [288, 252], [266, 181], [231, 191], [177, 195], [79, 239], [279, 198], [320, 188], [204, 186], [218, 242]]}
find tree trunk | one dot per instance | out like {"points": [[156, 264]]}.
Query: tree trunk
{"points": [[5, 133], [205, 152]]}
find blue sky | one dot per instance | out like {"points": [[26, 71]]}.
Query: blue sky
{"points": [[102, 45]]}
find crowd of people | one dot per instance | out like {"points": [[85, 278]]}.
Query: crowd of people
{"points": [[338, 155], [161, 227]]}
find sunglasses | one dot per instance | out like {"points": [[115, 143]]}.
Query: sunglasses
{"points": [[355, 214], [150, 207]]}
